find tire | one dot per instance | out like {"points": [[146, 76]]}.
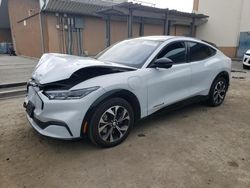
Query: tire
{"points": [[111, 123], [245, 67], [217, 92]]}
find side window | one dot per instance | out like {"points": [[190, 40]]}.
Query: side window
{"points": [[175, 51], [199, 51]]}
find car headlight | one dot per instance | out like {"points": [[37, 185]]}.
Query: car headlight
{"points": [[70, 95]]}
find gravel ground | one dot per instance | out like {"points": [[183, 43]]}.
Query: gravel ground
{"points": [[196, 146]]}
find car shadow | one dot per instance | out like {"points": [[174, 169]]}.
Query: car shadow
{"points": [[168, 113], [147, 123]]}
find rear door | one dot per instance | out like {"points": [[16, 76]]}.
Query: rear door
{"points": [[202, 64], [167, 86]]}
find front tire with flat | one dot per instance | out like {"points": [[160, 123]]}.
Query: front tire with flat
{"points": [[111, 122], [217, 92]]}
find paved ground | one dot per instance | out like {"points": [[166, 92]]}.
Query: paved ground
{"points": [[196, 146], [15, 68]]}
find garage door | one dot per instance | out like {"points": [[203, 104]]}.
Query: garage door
{"points": [[244, 43]]}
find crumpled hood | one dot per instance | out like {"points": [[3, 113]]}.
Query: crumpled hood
{"points": [[56, 67]]}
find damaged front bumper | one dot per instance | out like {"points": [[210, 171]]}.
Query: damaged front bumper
{"points": [[60, 119]]}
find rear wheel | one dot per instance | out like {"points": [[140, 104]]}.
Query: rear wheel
{"points": [[218, 92], [111, 122]]}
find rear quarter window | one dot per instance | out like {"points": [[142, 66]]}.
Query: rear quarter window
{"points": [[199, 52]]}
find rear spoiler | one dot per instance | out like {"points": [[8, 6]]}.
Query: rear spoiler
{"points": [[212, 44]]}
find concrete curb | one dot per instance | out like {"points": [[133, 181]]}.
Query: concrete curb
{"points": [[9, 85], [12, 93], [236, 59], [34, 58]]}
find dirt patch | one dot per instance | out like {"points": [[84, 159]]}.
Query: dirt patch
{"points": [[141, 135], [239, 71], [233, 164], [238, 77]]}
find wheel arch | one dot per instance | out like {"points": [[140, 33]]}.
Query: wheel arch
{"points": [[121, 93], [223, 74]]}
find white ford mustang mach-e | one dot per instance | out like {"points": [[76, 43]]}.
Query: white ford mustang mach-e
{"points": [[70, 97]]}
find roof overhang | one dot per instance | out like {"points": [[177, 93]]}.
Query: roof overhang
{"points": [[80, 7], [122, 11], [145, 12]]}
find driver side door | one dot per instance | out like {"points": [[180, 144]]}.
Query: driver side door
{"points": [[167, 86]]}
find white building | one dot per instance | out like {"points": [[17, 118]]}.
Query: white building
{"points": [[228, 25]]}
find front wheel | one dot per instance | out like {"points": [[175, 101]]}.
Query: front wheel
{"points": [[245, 67], [217, 92], [111, 122]]}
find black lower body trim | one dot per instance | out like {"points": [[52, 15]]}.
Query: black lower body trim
{"points": [[44, 125], [183, 103]]}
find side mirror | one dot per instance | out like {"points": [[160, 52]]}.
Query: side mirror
{"points": [[164, 62]]}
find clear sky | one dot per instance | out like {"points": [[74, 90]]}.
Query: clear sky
{"points": [[181, 5]]}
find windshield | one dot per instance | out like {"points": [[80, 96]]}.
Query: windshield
{"points": [[132, 53]]}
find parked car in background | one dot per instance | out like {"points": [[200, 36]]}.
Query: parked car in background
{"points": [[102, 98], [246, 60]]}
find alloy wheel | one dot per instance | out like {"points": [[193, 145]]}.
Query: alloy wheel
{"points": [[219, 92], [113, 124]]}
